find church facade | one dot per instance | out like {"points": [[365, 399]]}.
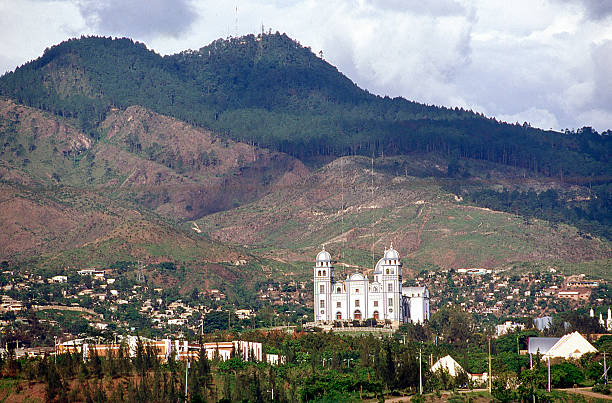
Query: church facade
{"points": [[358, 298]]}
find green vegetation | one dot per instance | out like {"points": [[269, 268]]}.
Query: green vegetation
{"points": [[271, 91]]}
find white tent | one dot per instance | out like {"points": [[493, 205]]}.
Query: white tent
{"points": [[448, 364], [572, 345]]}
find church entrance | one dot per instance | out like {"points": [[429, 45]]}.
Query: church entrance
{"points": [[375, 315], [357, 314], [339, 316]]}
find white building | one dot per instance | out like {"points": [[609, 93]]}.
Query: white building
{"points": [[358, 298], [607, 324], [572, 345], [508, 327]]}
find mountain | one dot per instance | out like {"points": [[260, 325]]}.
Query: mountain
{"points": [[357, 211], [271, 91], [161, 163], [108, 150]]}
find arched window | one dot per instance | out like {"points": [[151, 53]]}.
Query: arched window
{"points": [[319, 273], [338, 290], [339, 315], [387, 271], [357, 314], [376, 316], [323, 272]]}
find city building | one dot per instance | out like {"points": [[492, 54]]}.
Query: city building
{"points": [[358, 298]]}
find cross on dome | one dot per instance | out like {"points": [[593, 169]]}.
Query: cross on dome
{"points": [[323, 256]]}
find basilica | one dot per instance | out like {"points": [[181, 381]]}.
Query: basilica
{"points": [[358, 298]]}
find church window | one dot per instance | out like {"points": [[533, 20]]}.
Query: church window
{"points": [[322, 304], [322, 289], [390, 287], [375, 303], [338, 304], [356, 302], [322, 312]]}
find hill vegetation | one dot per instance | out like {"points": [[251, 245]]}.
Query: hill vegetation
{"points": [[271, 91], [117, 143], [356, 212]]}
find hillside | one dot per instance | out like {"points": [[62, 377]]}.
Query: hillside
{"points": [[432, 228], [271, 91], [108, 150], [159, 162], [69, 200]]}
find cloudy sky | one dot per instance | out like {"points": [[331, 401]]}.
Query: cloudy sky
{"points": [[547, 62]]}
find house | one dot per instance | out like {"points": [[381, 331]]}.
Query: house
{"points": [[243, 313], [572, 345], [59, 279], [507, 327]]}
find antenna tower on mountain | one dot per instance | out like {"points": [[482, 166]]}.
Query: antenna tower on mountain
{"points": [[236, 20]]}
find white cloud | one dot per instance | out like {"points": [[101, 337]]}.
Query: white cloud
{"points": [[535, 117], [142, 19]]}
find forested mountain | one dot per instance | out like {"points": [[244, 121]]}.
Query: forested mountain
{"points": [[271, 91], [243, 135]]}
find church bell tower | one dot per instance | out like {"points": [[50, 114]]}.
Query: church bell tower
{"points": [[323, 279]]}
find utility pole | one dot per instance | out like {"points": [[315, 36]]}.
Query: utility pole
{"points": [[605, 369], [489, 365], [548, 374], [420, 374], [186, 373]]}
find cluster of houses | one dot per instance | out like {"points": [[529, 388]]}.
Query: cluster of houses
{"points": [[504, 293]]}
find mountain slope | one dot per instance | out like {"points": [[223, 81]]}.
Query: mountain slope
{"points": [[337, 206], [271, 91], [159, 162]]}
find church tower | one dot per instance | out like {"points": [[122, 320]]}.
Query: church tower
{"points": [[391, 281], [323, 279]]}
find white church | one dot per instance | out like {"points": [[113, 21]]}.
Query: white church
{"points": [[358, 298]]}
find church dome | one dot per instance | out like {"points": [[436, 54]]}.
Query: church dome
{"points": [[323, 256], [391, 253]]}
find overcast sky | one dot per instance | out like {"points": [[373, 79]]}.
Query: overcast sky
{"points": [[547, 62]]}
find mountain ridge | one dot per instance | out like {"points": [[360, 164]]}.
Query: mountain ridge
{"points": [[271, 91], [251, 137]]}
